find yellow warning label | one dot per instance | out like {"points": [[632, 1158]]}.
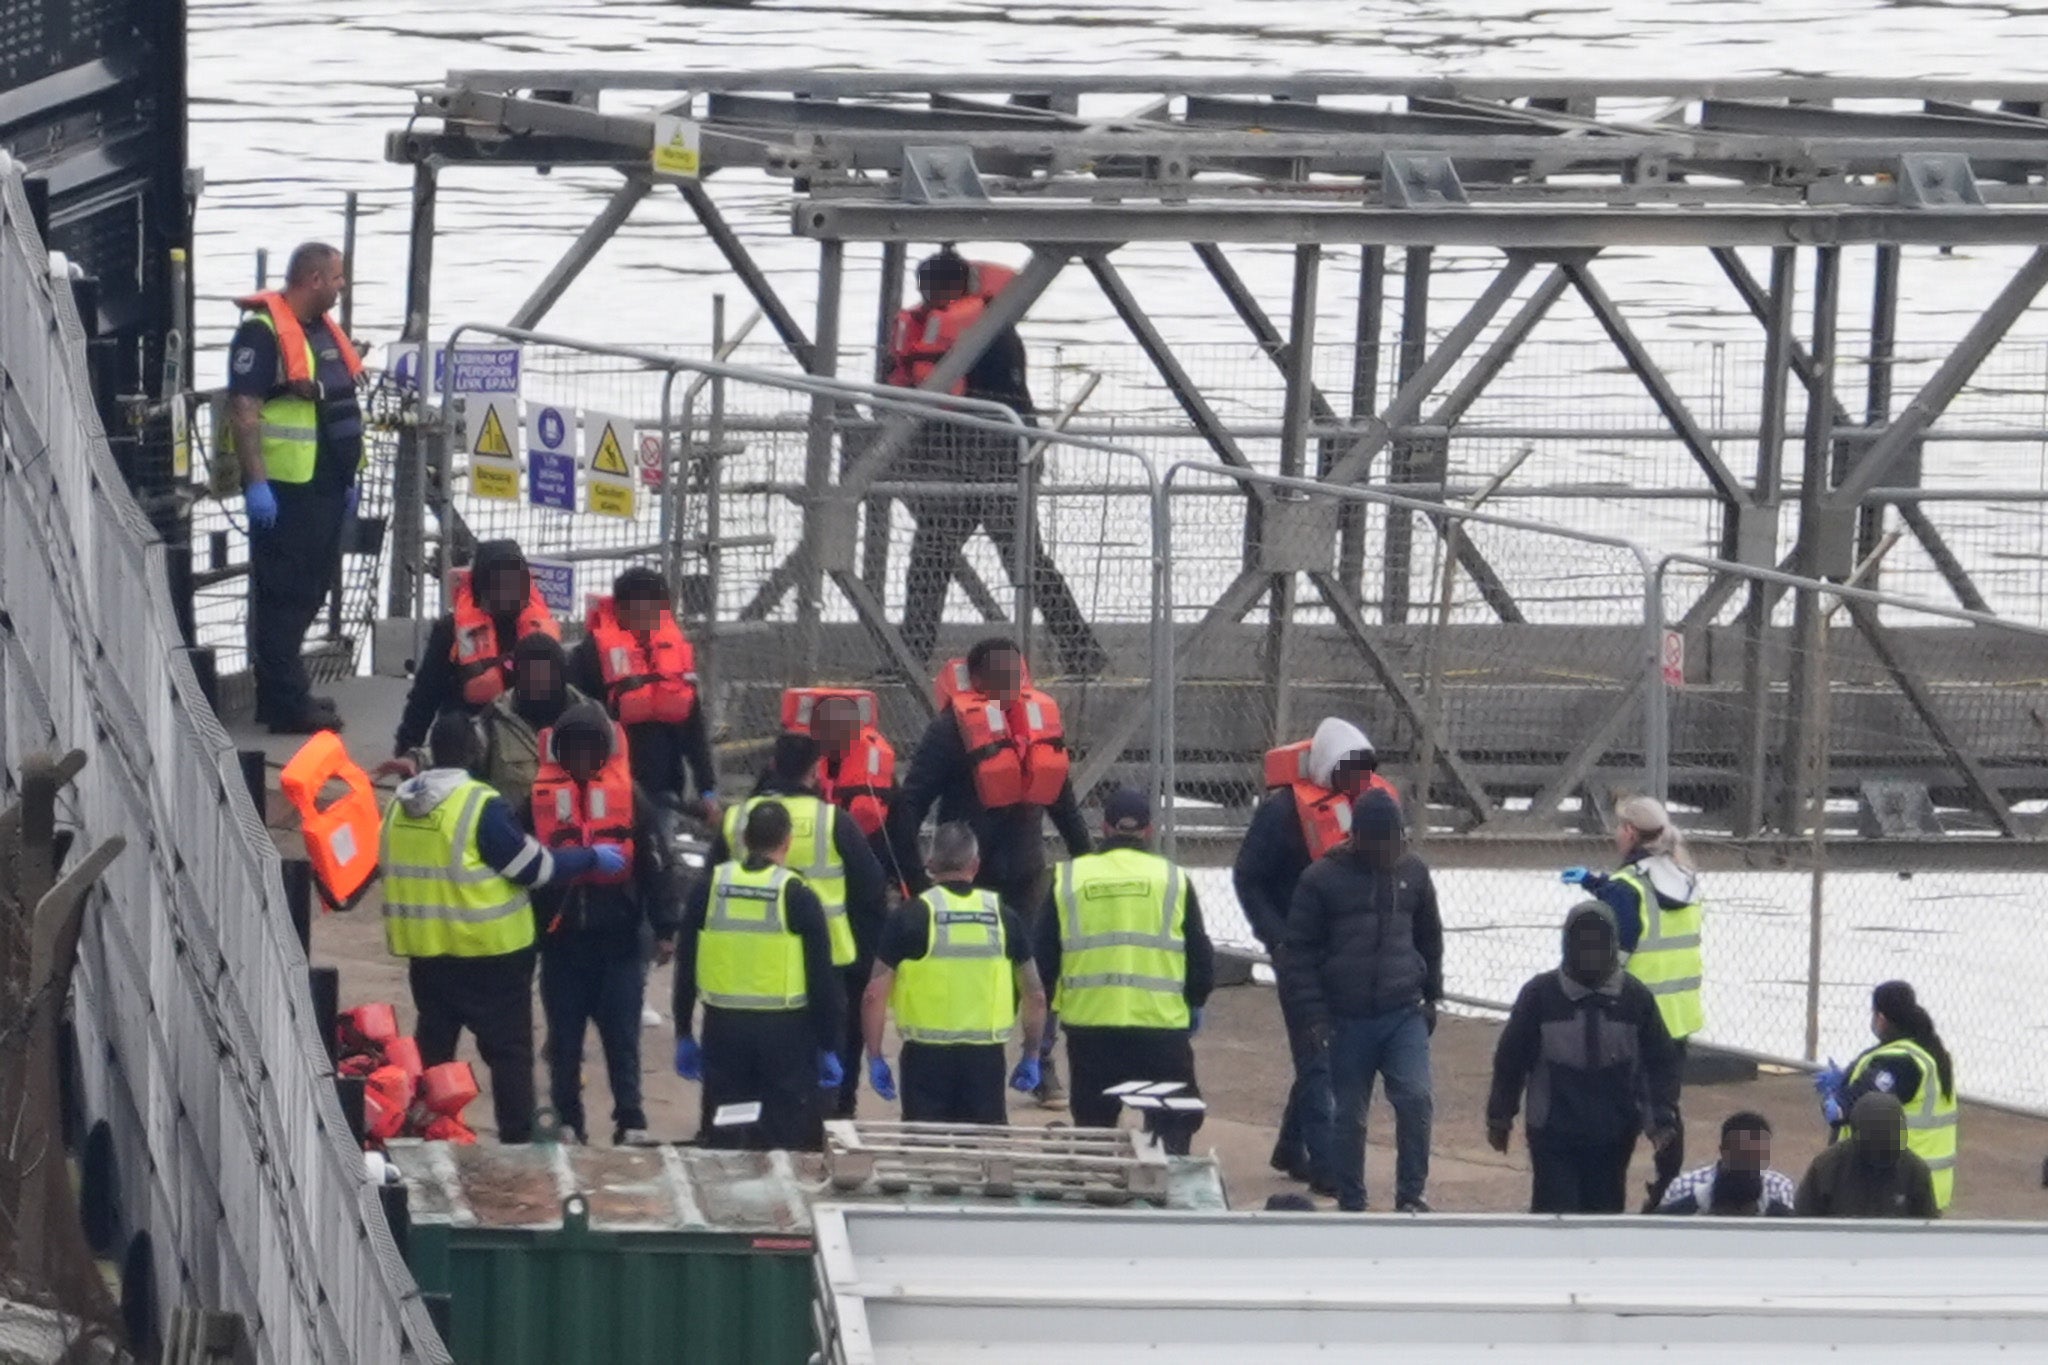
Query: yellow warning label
{"points": [[677, 142], [492, 440], [491, 477], [610, 456], [611, 499]]}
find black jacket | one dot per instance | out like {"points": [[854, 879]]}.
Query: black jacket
{"points": [[1269, 863], [1012, 839], [1200, 952], [659, 751], [436, 685], [825, 994], [867, 887], [1597, 1064], [1362, 939], [612, 915]]}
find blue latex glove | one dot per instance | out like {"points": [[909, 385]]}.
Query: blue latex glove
{"points": [[1831, 1109], [689, 1059], [880, 1077], [1829, 1079], [1575, 876], [830, 1074], [1028, 1075], [1194, 1021], [262, 504], [351, 501], [610, 862]]}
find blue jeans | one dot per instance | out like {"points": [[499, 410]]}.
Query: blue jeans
{"points": [[1394, 1045], [1305, 1125]]}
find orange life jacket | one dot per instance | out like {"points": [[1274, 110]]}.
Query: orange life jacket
{"points": [[862, 782], [1013, 765], [647, 677], [952, 681], [291, 336], [482, 660], [569, 814], [387, 1099], [342, 839], [1325, 815], [925, 333]]}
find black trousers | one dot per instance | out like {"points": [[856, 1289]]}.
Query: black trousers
{"points": [[1025, 895], [1578, 1177], [291, 569], [1102, 1057], [855, 979], [765, 1055], [492, 997], [953, 1083], [585, 981], [1670, 1160]]}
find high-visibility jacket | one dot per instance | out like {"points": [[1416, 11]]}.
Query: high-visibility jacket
{"points": [[748, 958], [963, 989], [861, 781], [1667, 956], [813, 855], [342, 838], [924, 333], [441, 899], [1123, 941], [648, 675], [570, 814], [1018, 752], [482, 660], [1325, 814], [291, 425], [1931, 1131]]}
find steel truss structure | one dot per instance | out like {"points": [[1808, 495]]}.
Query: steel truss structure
{"points": [[1548, 172]]}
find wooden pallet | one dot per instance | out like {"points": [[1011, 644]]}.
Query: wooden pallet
{"points": [[1099, 1165]]}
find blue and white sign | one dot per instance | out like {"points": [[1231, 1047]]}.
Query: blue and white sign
{"points": [[557, 584], [484, 369], [402, 364], [551, 457]]}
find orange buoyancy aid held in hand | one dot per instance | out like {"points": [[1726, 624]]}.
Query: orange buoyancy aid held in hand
{"points": [[648, 675], [570, 814], [482, 660], [1019, 751], [343, 838], [292, 346], [1325, 814], [924, 332], [862, 781]]}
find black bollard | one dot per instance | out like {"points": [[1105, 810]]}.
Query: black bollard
{"points": [[255, 777], [324, 984], [349, 1090], [298, 898], [397, 1215]]}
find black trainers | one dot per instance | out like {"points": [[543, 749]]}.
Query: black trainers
{"points": [[1416, 1205]]}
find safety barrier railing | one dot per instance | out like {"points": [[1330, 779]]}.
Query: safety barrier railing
{"points": [[240, 1185]]}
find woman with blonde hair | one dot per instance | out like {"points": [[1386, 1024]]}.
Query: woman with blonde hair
{"points": [[1655, 896]]}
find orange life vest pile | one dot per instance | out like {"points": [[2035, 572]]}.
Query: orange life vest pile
{"points": [[1325, 814], [924, 333], [648, 675], [1019, 751], [862, 781], [401, 1098], [482, 660], [569, 814]]}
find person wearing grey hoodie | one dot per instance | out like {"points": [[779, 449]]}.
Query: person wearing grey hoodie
{"points": [[1587, 1045]]}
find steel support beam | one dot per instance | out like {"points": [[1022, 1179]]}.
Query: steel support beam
{"points": [[1303, 400], [874, 615], [1177, 380], [1803, 797], [582, 252], [818, 451], [1877, 392], [409, 468], [1752, 791], [1400, 542], [743, 265], [875, 514], [1365, 393]]}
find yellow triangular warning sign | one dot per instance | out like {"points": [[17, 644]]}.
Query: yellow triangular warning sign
{"points": [[611, 456], [491, 440]]}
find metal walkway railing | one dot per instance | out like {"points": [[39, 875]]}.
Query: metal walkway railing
{"points": [[197, 1047]]}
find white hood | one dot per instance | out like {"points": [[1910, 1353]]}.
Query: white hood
{"points": [[1672, 883], [421, 795], [1335, 740]]}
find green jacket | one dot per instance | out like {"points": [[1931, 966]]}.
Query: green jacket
{"points": [[512, 747]]}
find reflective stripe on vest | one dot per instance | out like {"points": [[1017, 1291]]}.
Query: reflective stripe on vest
{"points": [[1931, 1130], [1667, 956], [747, 956], [1123, 953], [813, 855], [962, 990], [441, 899]]}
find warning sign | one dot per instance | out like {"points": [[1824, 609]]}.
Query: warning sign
{"points": [[1674, 658], [650, 458], [606, 439], [550, 458], [676, 146], [493, 459]]}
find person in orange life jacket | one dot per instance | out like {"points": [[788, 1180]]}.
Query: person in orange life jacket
{"points": [[591, 967], [491, 996], [948, 452], [946, 771], [636, 658], [288, 363], [856, 767], [1275, 852], [793, 771], [784, 1057], [467, 661]]}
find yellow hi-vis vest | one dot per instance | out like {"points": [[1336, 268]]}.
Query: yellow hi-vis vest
{"points": [[963, 989], [748, 958], [813, 855], [1667, 956], [441, 899], [1123, 950], [1930, 1115]]}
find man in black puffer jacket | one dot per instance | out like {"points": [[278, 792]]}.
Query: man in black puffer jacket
{"points": [[1363, 969]]}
